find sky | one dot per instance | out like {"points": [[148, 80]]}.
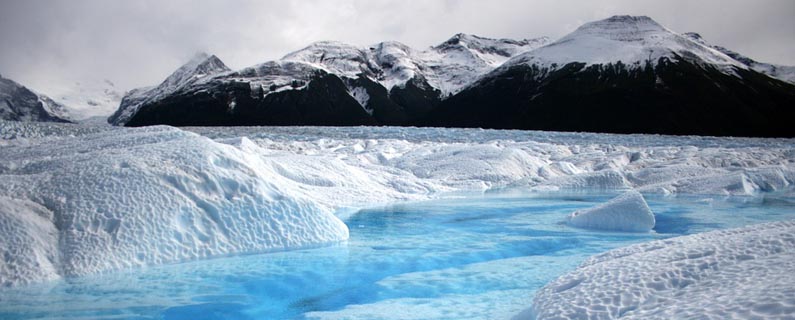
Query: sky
{"points": [[134, 43]]}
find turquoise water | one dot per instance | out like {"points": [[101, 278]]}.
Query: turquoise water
{"points": [[479, 257]]}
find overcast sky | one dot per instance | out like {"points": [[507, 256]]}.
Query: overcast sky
{"points": [[139, 42]]}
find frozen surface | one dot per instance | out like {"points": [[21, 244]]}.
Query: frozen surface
{"points": [[122, 197], [743, 273], [627, 212]]}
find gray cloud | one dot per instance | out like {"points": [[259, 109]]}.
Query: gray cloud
{"points": [[136, 43]]}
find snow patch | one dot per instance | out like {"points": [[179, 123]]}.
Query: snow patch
{"points": [[361, 96], [627, 212]]}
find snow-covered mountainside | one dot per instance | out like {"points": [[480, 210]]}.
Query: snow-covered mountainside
{"points": [[446, 67], [390, 82], [624, 74], [743, 273], [76, 199], [197, 70], [632, 40], [21, 104], [88, 99], [785, 73]]}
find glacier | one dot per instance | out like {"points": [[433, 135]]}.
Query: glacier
{"points": [[82, 199], [742, 273]]}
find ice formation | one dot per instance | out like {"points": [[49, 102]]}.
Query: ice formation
{"points": [[88, 199], [110, 201], [743, 273], [627, 212]]}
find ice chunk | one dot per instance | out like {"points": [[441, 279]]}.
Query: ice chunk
{"points": [[29, 242], [627, 212], [740, 273]]}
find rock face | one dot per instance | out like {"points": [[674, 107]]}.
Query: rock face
{"points": [[623, 74], [18, 103], [627, 212]]}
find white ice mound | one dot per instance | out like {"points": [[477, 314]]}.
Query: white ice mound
{"points": [[124, 198], [743, 273], [627, 212], [29, 242]]}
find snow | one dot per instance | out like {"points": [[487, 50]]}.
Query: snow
{"points": [[743, 273], [784, 73], [361, 96], [632, 40], [627, 212], [87, 99], [448, 67], [124, 197]]}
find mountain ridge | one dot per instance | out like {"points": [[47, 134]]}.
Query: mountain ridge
{"points": [[605, 77], [18, 103]]}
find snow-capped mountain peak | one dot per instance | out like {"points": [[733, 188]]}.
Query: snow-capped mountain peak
{"points": [[632, 40], [334, 57], [446, 67], [621, 28], [201, 67]]}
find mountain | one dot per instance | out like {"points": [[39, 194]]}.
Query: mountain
{"points": [[201, 67], [784, 73], [325, 83], [624, 74], [18, 103]]}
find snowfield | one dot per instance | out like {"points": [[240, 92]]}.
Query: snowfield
{"points": [[78, 199], [743, 273]]}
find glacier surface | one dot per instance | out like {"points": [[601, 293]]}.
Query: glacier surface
{"points": [[742, 273], [81, 199]]}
